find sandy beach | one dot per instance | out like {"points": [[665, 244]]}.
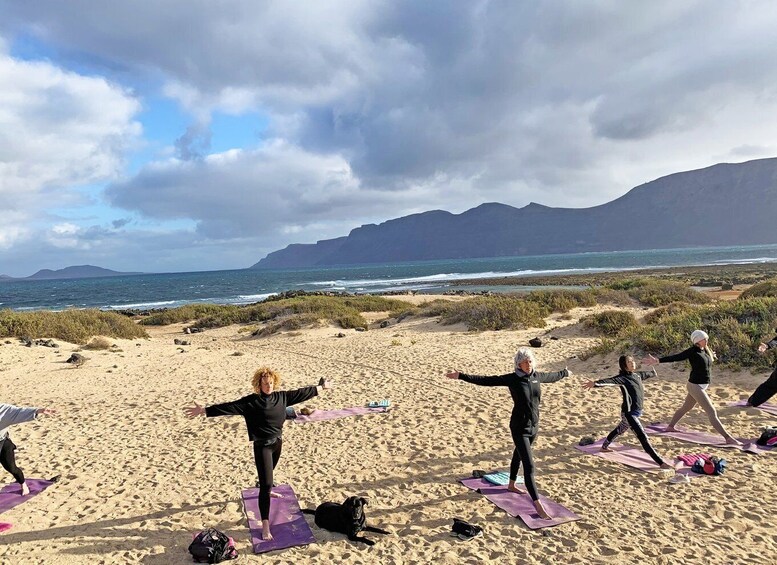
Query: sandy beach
{"points": [[138, 477]]}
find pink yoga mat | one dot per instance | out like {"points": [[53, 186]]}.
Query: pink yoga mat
{"points": [[520, 505], [287, 523], [703, 438], [5, 526], [766, 407], [10, 495], [321, 415], [631, 457]]}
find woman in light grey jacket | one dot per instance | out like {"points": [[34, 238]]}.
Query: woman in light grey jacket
{"points": [[10, 415]]}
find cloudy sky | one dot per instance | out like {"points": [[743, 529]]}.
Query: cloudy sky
{"points": [[196, 135]]}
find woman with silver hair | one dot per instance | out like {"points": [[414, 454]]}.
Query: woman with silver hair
{"points": [[701, 357], [524, 386]]}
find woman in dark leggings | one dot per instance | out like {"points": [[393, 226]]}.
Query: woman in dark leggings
{"points": [[10, 415], [768, 388], [630, 383], [264, 413], [524, 386]]}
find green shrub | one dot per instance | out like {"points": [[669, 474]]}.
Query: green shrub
{"points": [[661, 293], [343, 310], [292, 323], [496, 313], [611, 323], [764, 289], [185, 313], [671, 309], [74, 326], [605, 295], [561, 300], [629, 284], [438, 307]]}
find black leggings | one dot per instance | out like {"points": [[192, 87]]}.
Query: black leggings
{"points": [[8, 459], [765, 390], [266, 457], [631, 421], [522, 454]]}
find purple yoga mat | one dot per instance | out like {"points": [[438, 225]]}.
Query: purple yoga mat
{"points": [[320, 415], [766, 407], [287, 523], [520, 505], [631, 457], [10, 495], [702, 438]]}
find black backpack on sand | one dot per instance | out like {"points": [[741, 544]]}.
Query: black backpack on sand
{"points": [[212, 546]]}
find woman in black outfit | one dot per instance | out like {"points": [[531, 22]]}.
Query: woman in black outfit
{"points": [[264, 413], [701, 358], [524, 386], [630, 383], [768, 388]]}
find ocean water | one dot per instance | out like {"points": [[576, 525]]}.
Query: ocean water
{"points": [[247, 286]]}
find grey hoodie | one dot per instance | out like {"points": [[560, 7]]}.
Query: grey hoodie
{"points": [[10, 415]]}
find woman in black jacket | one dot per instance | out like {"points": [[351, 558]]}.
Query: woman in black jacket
{"points": [[524, 386], [264, 413], [701, 358], [768, 388], [630, 382]]}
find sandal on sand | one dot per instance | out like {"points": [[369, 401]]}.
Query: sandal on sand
{"points": [[307, 411], [679, 479], [479, 473]]}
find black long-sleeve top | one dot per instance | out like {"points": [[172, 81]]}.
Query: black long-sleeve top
{"points": [[525, 390], [771, 344], [631, 388], [700, 363], [264, 413]]}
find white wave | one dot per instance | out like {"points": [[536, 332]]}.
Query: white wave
{"points": [[745, 261], [255, 297], [142, 305], [448, 277]]}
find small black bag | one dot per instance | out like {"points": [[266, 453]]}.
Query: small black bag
{"points": [[768, 433], [464, 530], [212, 546]]}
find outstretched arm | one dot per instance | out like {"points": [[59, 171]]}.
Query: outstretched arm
{"points": [[494, 380], [10, 414], [552, 377]]}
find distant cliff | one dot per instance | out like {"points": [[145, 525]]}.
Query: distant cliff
{"points": [[75, 272], [725, 204]]}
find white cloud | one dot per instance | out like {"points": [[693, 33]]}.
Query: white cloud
{"points": [[379, 109]]}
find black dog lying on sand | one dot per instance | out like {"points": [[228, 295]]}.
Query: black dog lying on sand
{"points": [[347, 518]]}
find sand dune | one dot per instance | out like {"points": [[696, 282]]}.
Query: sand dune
{"points": [[138, 477]]}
